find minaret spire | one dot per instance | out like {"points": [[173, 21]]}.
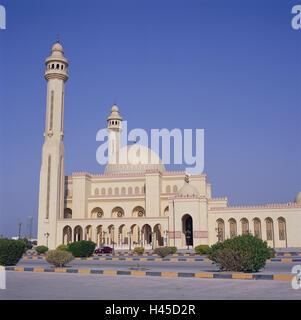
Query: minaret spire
{"points": [[52, 177]]}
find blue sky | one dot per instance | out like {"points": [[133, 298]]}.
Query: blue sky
{"points": [[231, 67]]}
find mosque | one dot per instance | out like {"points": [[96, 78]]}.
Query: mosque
{"points": [[145, 205]]}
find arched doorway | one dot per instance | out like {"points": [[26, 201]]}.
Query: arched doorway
{"points": [[67, 235], [122, 235], [78, 233], [99, 236], [88, 233], [146, 233], [158, 236], [187, 230]]}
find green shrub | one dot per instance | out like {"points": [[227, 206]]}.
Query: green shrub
{"points": [[59, 258], [162, 251], [272, 252], [63, 247], [41, 249], [202, 249], [82, 248], [172, 250], [139, 250], [11, 251], [27, 243], [243, 253]]}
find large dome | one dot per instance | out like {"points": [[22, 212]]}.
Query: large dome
{"points": [[135, 158], [188, 191], [298, 198]]}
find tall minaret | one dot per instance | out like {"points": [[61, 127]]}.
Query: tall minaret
{"points": [[114, 127], [51, 197]]}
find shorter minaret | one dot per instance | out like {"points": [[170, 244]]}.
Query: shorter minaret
{"points": [[114, 127]]}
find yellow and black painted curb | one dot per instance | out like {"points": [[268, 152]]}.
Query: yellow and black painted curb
{"points": [[158, 259], [216, 275]]}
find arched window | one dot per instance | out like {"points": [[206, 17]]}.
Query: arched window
{"points": [[67, 213], [97, 213], [167, 189], [116, 191], [103, 191], [117, 212], [110, 191], [220, 230], [137, 190], [233, 228], [138, 212], [96, 191], [123, 190], [166, 211], [282, 228], [269, 229], [130, 190], [174, 189], [244, 226], [57, 66], [257, 228]]}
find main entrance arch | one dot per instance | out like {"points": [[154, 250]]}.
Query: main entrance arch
{"points": [[187, 230]]}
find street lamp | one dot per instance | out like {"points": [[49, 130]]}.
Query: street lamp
{"points": [[20, 225], [130, 240], [46, 235], [113, 237]]}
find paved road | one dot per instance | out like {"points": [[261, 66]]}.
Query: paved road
{"points": [[29, 285], [173, 266]]}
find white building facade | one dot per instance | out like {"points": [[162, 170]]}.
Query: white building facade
{"points": [[143, 204]]}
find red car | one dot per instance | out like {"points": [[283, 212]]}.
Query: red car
{"points": [[103, 250]]}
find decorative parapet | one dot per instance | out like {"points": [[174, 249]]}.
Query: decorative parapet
{"points": [[177, 196], [218, 199], [81, 174], [174, 173], [290, 205]]}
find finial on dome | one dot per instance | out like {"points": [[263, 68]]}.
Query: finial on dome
{"points": [[58, 38], [186, 178]]}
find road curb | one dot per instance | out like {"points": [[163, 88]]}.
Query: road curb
{"points": [[214, 275], [158, 259]]}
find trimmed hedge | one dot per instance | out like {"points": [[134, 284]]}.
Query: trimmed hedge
{"points": [[162, 251], [41, 249], [272, 252], [172, 250], [63, 247], [244, 253], [82, 248], [11, 251], [202, 249], [59, 258], [27, 243], [139, 250]]}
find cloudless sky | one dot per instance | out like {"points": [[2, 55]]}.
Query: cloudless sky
{"points": [[231, 67]]}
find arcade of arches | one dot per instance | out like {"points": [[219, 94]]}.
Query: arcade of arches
{"points": [[118, 235]]}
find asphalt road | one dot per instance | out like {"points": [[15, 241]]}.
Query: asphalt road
{"points": [[172, 266], [47, 286]]}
